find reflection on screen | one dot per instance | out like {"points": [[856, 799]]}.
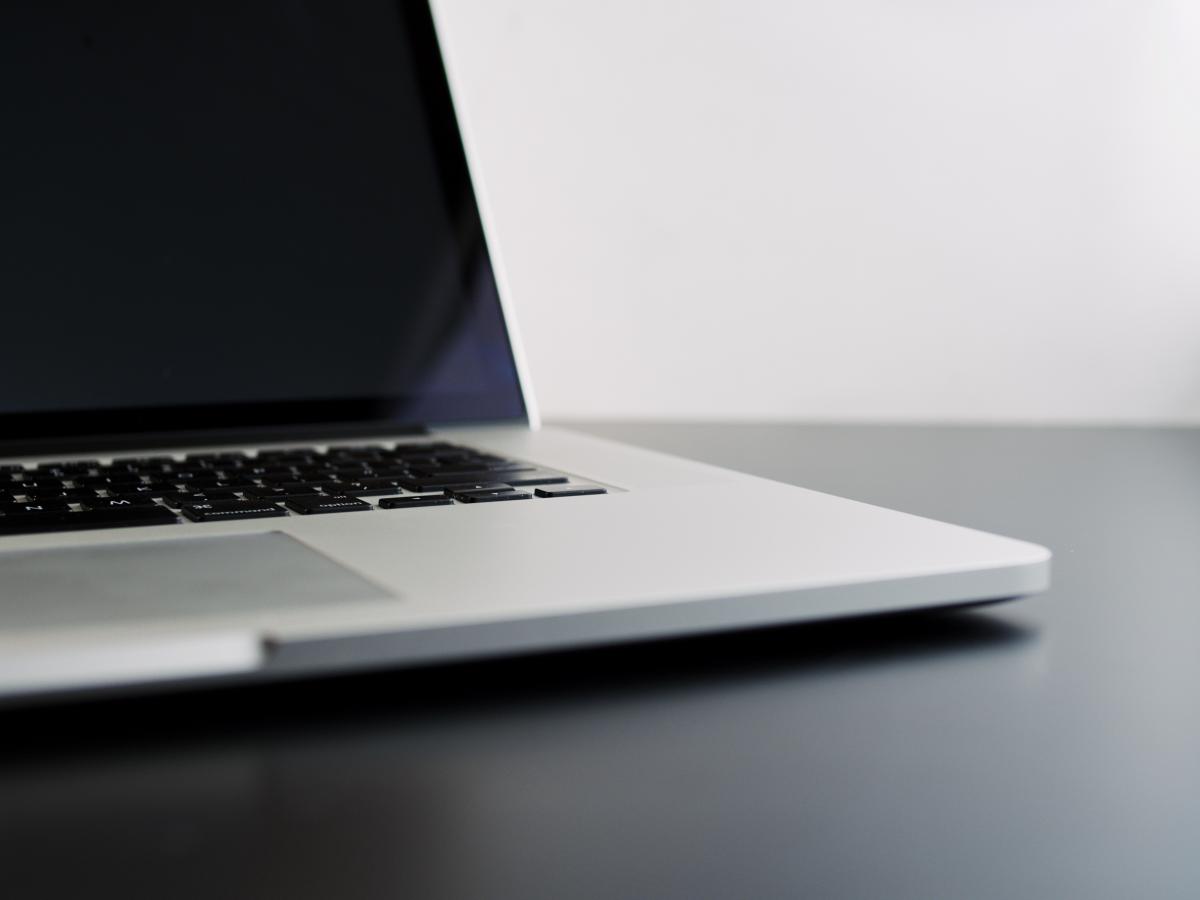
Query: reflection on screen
{"points": [[229, 203]]}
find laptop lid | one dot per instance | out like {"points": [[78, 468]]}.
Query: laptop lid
{"points": [[237, 221]]}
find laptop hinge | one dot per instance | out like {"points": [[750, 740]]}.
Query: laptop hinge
{"points": [[206, 438]]}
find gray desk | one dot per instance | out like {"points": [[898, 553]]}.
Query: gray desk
{"points": [[1046, 748]]}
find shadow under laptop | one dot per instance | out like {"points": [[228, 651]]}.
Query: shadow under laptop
{"points": [[434, 782], [649, 672]]}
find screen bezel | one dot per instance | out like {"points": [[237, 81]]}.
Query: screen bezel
{"points": [[29, 433]]}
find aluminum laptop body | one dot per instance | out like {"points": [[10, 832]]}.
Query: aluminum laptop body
{"points": [[262, 408]]}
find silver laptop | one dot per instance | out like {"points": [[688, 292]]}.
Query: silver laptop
{"points": [[263, 413]]}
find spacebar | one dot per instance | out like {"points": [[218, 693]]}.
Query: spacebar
{"points": [[28, 523]]}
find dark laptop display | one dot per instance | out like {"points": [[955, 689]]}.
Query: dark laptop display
{"points": [[246, 217]]}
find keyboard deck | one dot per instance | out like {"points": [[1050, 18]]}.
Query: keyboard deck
{"points": [[217, 487]]}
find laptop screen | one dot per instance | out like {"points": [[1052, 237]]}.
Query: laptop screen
{"points": [[237, 216]]}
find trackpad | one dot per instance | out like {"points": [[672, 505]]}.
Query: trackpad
{"points": [[193, 577]]}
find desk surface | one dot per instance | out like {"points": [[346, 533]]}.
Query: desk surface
{"points": [[1044, 748]]}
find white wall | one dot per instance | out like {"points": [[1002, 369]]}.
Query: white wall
{"points": [[981, 209]]}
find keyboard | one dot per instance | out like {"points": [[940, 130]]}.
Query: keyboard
{"points": [[299, 481]]}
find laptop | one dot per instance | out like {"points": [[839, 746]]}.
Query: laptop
{"points": [[263, 410]]}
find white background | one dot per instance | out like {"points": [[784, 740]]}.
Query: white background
{"points": [[852, 209]]}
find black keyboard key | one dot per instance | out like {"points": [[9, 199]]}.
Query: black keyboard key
{"points": [[374, 485], [227, 469], [36, 484], [117, 502], [192, 468], [386, 470], [529, 479], [209, 477], [125, 502], [149, 471], [317, 505], [361, 489], [92, 481], [347, 473], [155, 489], [452, 476], [337, 488], [176, 499], [298, 486], [312, 473], [79, 494], [135, 515], [410, 502], [33, 507], [198, 471], [188, 498], [61, 470], [219, 510], [86, 519], [277, 494], [569, 490], [425, 485], [476, 467], [183, 498], [117, 477], [29, 524], [44, 494], [278, 476], [478, 487], [375, 481], [490, 496], [227, 484], [10, 468], [410, 461]]}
